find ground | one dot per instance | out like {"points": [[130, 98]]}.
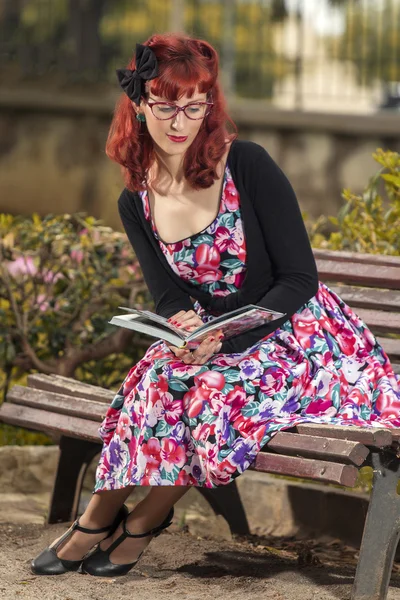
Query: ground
{"points": [[182, 566]]}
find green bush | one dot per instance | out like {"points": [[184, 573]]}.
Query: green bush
{"points": [[61, 279], [368, 222]]}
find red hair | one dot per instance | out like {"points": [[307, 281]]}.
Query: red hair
{"points": [[185, 64]]}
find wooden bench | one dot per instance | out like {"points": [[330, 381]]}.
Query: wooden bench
{"points": [[72, 411]]}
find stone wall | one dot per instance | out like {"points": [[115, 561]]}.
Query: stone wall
{"points": [[52, 155]]}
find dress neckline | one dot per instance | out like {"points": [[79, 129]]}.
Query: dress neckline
{"points": [[189, 237]]}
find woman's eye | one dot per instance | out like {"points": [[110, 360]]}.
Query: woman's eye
{"points": [[165, 109]]}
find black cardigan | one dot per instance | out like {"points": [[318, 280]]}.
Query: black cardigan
{"points": [[281, 272]]}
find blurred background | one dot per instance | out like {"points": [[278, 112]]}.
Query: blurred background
{"points": [[316, 82]]}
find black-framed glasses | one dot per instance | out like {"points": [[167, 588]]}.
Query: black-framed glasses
{"points": [[168, 110]]}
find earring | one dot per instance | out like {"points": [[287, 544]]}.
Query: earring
{"points": [[140, 117]]}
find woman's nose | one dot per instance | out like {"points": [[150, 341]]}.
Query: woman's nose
{"points": [[178, 121]]}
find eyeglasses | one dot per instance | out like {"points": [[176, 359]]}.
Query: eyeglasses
{"points": [[167, 110]]}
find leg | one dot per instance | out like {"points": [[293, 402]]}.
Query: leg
{"points": [[381, 531], [226, 501], [100, 512], [75, 456], [149, 513]]}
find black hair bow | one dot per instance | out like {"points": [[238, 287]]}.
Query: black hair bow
{"points": [[132, 82]]}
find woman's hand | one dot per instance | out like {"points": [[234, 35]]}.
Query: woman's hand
{"points": [[189, 321], [209, 346], [206, 349]]}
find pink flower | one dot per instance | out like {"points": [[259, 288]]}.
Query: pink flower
{"points": [[237, 398], [180, 245], [185, 270], [151, 451], [123, 427], [273, 381], [77, 255], [193, 401], [50, 277], [42, 302], [231, 196], [208, 260], [244, 425], [172, 454], [203, 431], [224, 240], [205, 384], [211, 379], [185, 478], [319, 407], [305, 325], [172, 409], [347, 341], [23, 265]]}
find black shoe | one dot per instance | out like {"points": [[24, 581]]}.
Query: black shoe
{"points": [[99, 563], [48, 563]]}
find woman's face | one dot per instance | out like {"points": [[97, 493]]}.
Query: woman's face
{"points": [[165, 133]]}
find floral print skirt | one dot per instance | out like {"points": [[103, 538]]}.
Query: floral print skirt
{"points": [[203, 425]]}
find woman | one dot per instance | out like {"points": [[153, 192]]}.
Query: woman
{"points": [[215, 225]]}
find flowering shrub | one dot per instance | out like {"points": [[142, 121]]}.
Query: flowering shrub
{"points": [[368, 222], [61, 279]]}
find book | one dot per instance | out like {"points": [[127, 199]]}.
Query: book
{"points": [[231, 324]]}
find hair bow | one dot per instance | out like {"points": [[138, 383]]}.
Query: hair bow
{"points": [[132, 82]]}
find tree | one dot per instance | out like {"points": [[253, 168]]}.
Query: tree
{"points": [[371, 41]]}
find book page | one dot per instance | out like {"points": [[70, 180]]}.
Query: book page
{"points": [[237, 324]]}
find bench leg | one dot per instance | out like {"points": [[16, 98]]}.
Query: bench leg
{"points": [[226, 501], [381, 530], [74, 458]]}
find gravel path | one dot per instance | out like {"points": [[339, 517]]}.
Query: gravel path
{"points": [[181, 566]]}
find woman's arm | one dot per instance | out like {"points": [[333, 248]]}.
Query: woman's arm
{"points": [[285, 237], [168, 298], [287, 243]]}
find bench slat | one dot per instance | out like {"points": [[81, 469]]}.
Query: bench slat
{"points": [[308, 446], [359, 273], [40, 420], [380, 321], [282, 442], [390, 345], [369, 436], [318, 470], [364, 297], [70, 387], [356, 257], [57, 403]]}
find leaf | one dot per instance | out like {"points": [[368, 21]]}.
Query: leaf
{"points": [[178, 385], [394, 179]]}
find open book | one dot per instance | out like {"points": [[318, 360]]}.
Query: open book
{"points": [[231, 323]]}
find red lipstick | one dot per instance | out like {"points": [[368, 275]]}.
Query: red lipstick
{"points": [[177, 138]]}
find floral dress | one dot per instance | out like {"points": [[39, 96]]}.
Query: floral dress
{"points": [[202, 425]]}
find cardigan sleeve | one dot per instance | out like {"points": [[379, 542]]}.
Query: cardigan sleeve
{"points": [[168, 298], [287, 243], [285, 237]]}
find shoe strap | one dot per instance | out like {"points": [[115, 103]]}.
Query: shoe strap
{"points": [[166, 523], [86, 530], [126, 533], [55, 545]]}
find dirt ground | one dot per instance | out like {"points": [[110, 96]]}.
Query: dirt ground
{"points": [[181, 566]]}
